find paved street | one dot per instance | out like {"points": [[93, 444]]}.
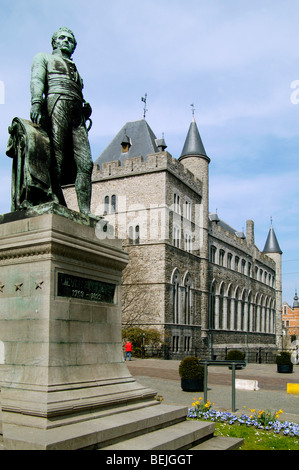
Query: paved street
{"points": [[163, 376]]}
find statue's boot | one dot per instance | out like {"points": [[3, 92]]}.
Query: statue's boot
{"points": [[83, 190]]}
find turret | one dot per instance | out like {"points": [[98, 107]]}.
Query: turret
{"points": [[195, 159], [296, 301], [272, 249]]}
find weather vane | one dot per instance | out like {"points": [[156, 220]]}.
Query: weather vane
{"points": [[144, 109], [193, 109]]}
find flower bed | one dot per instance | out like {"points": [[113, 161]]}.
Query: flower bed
{"points": [[261, 419]]}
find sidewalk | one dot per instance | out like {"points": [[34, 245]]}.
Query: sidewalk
{"points": [[163, 376]]}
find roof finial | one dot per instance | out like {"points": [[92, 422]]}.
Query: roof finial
{"points": [[271, 220], [193, 111], [144, 101]]}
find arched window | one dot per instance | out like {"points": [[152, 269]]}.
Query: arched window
{"points": [[187, 299], [106, 204], [250, 313], [229, 307], [175, 281], [113, 204], [243, 327], [236, 309], [221, 304], [213, 251], [110, 204], [134, 235], [212, 312]]}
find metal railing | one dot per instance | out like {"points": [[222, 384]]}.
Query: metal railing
{"points": [[231, 364], [256, 356]]}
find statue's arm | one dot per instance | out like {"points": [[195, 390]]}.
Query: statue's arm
{"points": [[37, 86]]}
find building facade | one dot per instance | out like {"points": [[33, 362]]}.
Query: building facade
{"points": [[205, 286], [290, 322]]}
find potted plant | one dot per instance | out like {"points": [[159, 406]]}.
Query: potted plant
{"points": [[284, 363], [235, 355], [192, 374]]}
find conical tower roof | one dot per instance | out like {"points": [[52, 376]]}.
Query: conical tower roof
{"points": [[193, 144], [296, 301], [271, 245]]}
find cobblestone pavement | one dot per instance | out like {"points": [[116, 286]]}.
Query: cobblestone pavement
{"points": [[163, 376]]}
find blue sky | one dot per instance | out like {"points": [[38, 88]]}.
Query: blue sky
{"points": [[235, 60]]}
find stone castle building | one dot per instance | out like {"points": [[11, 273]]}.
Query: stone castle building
{"points": [[203, 284]]}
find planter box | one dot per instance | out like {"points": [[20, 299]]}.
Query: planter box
{"points": [[285, 368], [192, 385]]}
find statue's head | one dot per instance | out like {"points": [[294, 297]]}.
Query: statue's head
{"points": [[65, 40]]}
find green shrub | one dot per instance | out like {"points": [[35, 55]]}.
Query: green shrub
{"points": [[235, 354], [190, 368], [284, 358]]}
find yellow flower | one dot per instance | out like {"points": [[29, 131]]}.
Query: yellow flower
{"points": [[197, 402], [193, 404]]}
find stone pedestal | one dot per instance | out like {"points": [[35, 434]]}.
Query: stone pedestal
{"points": [[60, 329]]}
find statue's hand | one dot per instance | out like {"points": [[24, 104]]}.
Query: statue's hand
{"points": [[36, 113], [87, 111]]}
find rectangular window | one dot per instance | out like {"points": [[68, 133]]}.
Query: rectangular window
{"points": [[187, 210], [176, 203], [175, 343], [176, 235], [213, 250], [187, 343]]}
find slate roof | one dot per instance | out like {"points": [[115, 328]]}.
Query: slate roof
{"points": [[193, 143], [271, 245], [225, 226], [142, 139]]}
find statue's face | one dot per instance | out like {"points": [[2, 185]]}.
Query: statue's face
{"points": [[65, 42]]}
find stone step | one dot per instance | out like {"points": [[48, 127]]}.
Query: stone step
{"points": [[219, 443], [160, 427], [178, 436], [98, 432]]}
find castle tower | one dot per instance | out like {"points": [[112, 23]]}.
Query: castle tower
{"points": [[195, 159], [272, 249], [296, 301]]}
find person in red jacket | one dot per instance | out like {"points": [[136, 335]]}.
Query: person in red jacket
{"points": [[128, 350]]}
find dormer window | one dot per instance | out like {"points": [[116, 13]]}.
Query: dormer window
{"points": [[126, 144]]}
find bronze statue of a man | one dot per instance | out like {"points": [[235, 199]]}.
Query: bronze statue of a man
{"points": [[57, 103]]}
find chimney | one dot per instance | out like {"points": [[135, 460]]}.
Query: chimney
{"points": [[250, 231]]}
